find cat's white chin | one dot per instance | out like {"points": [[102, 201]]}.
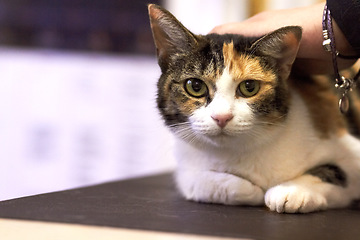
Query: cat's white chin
{"points": [[224, 139], [221, 140]]}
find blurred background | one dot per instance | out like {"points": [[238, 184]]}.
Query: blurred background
{"points": [[77, 88]]}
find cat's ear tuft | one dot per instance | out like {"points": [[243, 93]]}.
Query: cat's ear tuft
{"points": [[170, 36], [283, 45]]}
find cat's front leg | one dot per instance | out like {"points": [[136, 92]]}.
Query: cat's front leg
{"points": [[218, 187], [305, 194]]}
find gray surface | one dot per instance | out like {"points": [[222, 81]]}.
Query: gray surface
{"points": [[152, 203]]}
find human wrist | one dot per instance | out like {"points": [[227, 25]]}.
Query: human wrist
{"points": [[310, 18]]}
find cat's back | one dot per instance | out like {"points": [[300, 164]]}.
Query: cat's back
{"points": [[353, 116], [322, 101]]}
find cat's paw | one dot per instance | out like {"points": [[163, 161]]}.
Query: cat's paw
{"points": [[239, 191], [224, 188], [293, 198]]}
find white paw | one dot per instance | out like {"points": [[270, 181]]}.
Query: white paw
{"points": [[221, 188], [241, 192], [292, 198]]}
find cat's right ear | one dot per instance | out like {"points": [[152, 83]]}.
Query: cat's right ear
{"points": [[170, 36], [283, 45]]}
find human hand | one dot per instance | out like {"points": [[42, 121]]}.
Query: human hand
{"points": [[311, 57]]}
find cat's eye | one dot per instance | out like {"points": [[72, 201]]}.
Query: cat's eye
{"points": [[196, 87], [248, 88]]}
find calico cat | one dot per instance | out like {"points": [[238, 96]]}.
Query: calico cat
{"points": [[248, 131]]}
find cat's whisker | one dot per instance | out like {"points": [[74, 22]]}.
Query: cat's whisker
{"points": [[185, 131], [179, 124], [256, 133], [274, 122], [191, 137], [181, 127]]}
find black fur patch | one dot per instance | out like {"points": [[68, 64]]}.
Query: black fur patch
{"points": [[330, 173]]}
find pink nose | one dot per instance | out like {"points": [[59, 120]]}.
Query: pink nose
{"points": [[222, 119]]}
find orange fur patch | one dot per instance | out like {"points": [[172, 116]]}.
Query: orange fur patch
{"points": [[243, 67], [322, 104]]}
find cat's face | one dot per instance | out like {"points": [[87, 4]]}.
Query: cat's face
{"points": [[223, 90]]}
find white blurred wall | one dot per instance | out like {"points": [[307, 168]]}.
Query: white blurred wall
{"points": [[200, 16], [72, 119], [282, 4]]}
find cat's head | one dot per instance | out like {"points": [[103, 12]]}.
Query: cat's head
{"points": [[222, 89]]}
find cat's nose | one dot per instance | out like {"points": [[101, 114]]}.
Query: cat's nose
{"points": [[222, 119]]}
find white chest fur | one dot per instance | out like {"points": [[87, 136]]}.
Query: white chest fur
{"points": [[283, 155]]}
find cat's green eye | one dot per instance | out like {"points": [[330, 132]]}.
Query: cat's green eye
{"points": [[196, 87], [248, 88]]}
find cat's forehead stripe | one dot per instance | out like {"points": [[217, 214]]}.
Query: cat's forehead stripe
{"points": [[242, 66], [270, 102]]}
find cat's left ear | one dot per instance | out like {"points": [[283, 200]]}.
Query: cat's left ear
{"points": [[170, 36], [283, 45]]}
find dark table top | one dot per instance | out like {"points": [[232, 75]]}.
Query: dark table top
{"points": [[152, 203]]}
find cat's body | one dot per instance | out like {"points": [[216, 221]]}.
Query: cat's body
{"points": [[246, 131]]}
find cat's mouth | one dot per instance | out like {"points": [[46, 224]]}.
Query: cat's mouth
{"points": [[226, 132], [223, 134], [202, 131]]}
